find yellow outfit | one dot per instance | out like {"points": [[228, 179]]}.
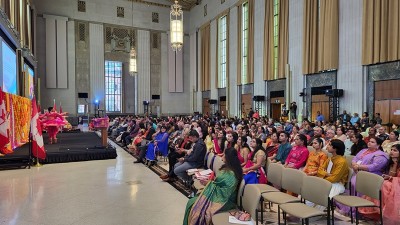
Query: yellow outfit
{"points": [[339, 171], [314, 161]]}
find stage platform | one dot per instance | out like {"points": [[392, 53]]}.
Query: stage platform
{"points": [[71, 147]]}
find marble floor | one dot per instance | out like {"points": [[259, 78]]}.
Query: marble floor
{"points": [[115, 192], [92, 192]]}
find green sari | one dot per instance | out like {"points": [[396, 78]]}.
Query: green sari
{"points": [[217, 196]]}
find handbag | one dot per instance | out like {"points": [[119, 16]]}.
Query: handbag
{"points": [[240, 215]]}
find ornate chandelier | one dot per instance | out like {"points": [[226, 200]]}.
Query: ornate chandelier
{"points": [[176, 17]]}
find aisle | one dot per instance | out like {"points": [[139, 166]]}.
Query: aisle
{"points": [[93, 192]]}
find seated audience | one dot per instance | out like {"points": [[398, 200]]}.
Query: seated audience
{"points": [[160, 144], [283, 149], [272, 146], [390, 192], [393, 140], [341, 134], [179, 150], [254, 169], [218, 195], [299, 153], [193, 159], [315, 158], [358, 144], [243, 150], [381, 133], [338, 173], [371, 159]]}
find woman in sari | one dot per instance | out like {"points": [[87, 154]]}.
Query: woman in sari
{"points": [[272, 147], [254, 169], [371, 159], [390, 192], [218, 195]]}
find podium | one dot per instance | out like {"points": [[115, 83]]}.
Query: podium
{"points": [[102, 125]]}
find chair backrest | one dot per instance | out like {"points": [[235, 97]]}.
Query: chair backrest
{"points": [[368, 184], [240, 193], [251, 199], [292, 180], [349, 159], [274, 174], [348, 183], [217, 164], [206, 158], [316, 190], [210, 160]]}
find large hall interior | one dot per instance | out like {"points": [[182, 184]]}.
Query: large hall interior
{"points": [[199, 112]]}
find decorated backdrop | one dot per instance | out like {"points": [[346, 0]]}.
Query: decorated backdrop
{"points": [[15, 116]]}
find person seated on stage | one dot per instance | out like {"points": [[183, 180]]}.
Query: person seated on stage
{"points": [[160, 145], [219, 194], [182, 145], [193, 159], [51, 122], [147, 137]]}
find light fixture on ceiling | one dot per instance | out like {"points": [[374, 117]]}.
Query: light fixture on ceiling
{"points": [[132, 53], [176, 17]]}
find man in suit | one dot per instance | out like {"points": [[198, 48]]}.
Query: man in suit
{"points": [[345, 117]]}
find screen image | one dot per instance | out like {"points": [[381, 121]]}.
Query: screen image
{"points": [[29, 78], [9, 69]]}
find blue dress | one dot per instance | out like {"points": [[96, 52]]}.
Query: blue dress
{"points": [[162, 146]]}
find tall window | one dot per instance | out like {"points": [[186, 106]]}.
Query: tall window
{"points": [[113, 84], [245, 40], [222, 52], [276, 37]]}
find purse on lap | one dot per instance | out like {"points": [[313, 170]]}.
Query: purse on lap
{"points": [[240, 215]]}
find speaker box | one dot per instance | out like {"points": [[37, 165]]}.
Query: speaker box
{"points": [[258, 98], [222, 99], [155, 97], [334, 92], [145, 102], [212, 101], [83, 95]]}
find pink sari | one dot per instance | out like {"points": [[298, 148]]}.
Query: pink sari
{"points": [[261, 175], [217, 149], [390, 201]]}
